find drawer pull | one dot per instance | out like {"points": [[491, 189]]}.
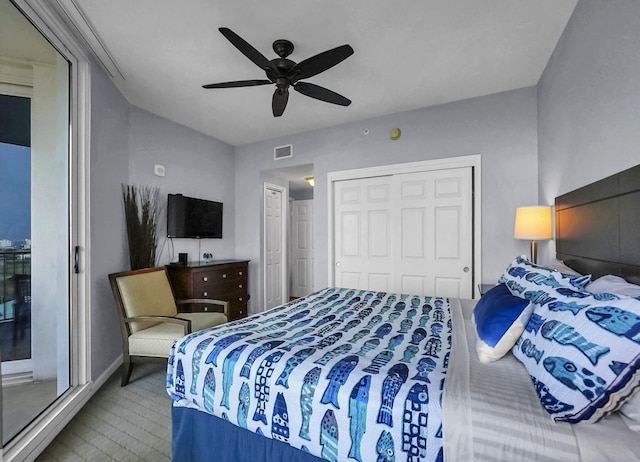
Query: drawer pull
{"points": [[224, 276], [205, 294], [240, 299], [240, 273], [206, 308], [239, 286], [205, 279]]}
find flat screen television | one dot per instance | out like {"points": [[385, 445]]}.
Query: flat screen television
{"points": [[188, 217]]}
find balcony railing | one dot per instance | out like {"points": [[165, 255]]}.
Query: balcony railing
{"points": [[12, 261]]}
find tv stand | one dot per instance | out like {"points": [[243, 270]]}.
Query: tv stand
{"points": [[218, 279]]}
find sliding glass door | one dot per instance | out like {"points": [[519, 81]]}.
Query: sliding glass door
{"points": [[34, 222]]}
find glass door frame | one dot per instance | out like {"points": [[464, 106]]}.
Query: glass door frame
{"points": [[37, 435]]}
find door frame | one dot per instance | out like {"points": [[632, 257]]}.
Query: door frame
{"points": [[473, 161], [33, 439], [283, 244]]}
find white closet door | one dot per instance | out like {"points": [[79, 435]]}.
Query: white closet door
{"points": [[408, 233], [432, 246], [301, 248], [363, 210]]}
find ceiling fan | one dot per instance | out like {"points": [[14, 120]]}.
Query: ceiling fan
{"points": [[286, 73]]}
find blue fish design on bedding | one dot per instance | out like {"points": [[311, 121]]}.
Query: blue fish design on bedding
{"points": [[209, 389], [567, 335], [618, 321], [396, 376], [359, 335], [368, 346], [425, 365], [280, 420], [564, 306], [385, 448], [574, 377], [244, 401], [337, 377], [358, 415], [379, 361], [262, 384], [329, 355], [228, 366], [414, 425], [529, 349], [195, 362], [306, 399], [383, 330], [271, 366], [298, 315], [255, 354], [395, 341], [329, 436], [222, 344], [292, 363]]}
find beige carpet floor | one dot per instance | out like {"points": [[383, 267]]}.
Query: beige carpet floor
{"points": [[131, 423]]}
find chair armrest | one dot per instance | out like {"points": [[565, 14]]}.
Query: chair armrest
{"points": [[186, 323], [209, 301]]}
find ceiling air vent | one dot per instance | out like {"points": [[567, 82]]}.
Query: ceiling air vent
{"points": [[283, 152]]}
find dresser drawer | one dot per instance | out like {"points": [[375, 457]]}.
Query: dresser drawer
{"points": [[217, 276], [215, 290]]}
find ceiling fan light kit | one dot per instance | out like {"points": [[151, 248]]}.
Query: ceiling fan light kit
{"points": [[285, 73]]}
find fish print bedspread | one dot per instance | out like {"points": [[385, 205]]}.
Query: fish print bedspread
{"points": [[341, 373]]}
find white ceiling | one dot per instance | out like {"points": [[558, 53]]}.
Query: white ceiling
{"points": [[408, 54]]}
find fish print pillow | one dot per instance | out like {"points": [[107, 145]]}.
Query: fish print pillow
{"points": [[499, 318], [582, 351], [523, 275]]}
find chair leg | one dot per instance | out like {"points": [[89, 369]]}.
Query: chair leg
{"points": [[127, 367]]}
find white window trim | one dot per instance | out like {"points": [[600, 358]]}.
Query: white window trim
{"points": [[32, 440]]}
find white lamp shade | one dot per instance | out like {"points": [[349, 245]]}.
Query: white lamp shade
{"points": [[533, 223]]}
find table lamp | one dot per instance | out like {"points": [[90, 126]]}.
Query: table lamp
{"points": [[533, 223]]}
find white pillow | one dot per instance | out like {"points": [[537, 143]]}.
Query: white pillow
{"points": [[611, 284], [559, 265]]}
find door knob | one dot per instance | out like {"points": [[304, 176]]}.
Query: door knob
{"points": [[465, 269], [337, 263]]}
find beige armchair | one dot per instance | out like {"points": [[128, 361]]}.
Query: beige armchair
{"points": [[149, 317]]}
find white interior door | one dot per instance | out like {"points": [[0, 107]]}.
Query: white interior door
{"points": [[408, 233], [273, 245], [363, 235], [433, 243], [301, 248]]}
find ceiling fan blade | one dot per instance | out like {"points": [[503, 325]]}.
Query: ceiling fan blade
{"points": [[244, 47], [321, 93], [237, 83], [320, 62], [279, 101]]}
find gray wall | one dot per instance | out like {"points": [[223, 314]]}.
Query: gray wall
{"points": [[502, 128], [196, 165], [109, 169], [126, 142], [589, 99]]}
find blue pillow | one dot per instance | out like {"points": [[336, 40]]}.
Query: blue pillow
{"points": [[500, 318], [531, 281], [582, 351]]}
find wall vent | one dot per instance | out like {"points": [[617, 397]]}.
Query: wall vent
{"points": [[283, 152]]}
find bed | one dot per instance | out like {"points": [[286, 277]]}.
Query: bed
{"points": [[371, 376]]}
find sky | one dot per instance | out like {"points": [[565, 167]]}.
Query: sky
{"points": [[15, 193]]}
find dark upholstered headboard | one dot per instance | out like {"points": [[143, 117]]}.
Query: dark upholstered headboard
{"points": [[598, 227]]}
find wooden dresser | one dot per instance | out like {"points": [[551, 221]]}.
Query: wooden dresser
{"points": [[219, 279]]}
